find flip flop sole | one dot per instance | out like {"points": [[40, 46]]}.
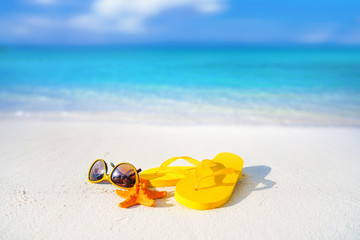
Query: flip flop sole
{"points": [[213, 192]]}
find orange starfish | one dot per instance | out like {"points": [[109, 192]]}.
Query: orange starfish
{"points": [[139, 194]]}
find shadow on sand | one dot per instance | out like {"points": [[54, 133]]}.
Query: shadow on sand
{"points": [[164, 202], [252, 177]]}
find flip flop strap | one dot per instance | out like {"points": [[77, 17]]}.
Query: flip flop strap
{"points": [[164, 166], [223, 171]]}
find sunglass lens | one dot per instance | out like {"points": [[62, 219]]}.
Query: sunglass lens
{"points": [[124, 175], [97, 171]]}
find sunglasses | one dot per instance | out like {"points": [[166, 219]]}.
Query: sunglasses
{"points": [[123, 175]]}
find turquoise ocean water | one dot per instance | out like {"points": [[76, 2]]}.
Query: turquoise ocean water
{"points": [[266, 85]]}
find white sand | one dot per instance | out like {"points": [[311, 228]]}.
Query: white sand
{"points": [[302, 183]]}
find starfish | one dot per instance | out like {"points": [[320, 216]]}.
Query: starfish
{"points": [[139, 194]]}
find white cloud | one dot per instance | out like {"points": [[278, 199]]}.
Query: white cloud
{"points": [[18, 30], [314, 33], [336, 33], [39, 21], [130, 16], [316, 37], [352, 37], [44, 2], [28, 25]]}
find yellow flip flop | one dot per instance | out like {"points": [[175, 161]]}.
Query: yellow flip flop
{"points": [[211, 184], [165, 175]]}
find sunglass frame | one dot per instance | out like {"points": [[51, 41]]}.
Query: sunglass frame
{"points": [[107, 176]]}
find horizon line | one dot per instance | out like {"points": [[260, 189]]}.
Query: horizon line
{"points": [[182, 44]]}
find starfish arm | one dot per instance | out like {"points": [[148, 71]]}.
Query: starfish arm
{"points": [[140, 194], [156, 194], [128, 202], [143, 181], [124, 194], [144, 200]]}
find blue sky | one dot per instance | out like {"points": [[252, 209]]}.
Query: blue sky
{"points": [[180, 21]]}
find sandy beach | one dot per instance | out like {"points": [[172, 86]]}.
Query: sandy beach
{"points": [[299, 182]]}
